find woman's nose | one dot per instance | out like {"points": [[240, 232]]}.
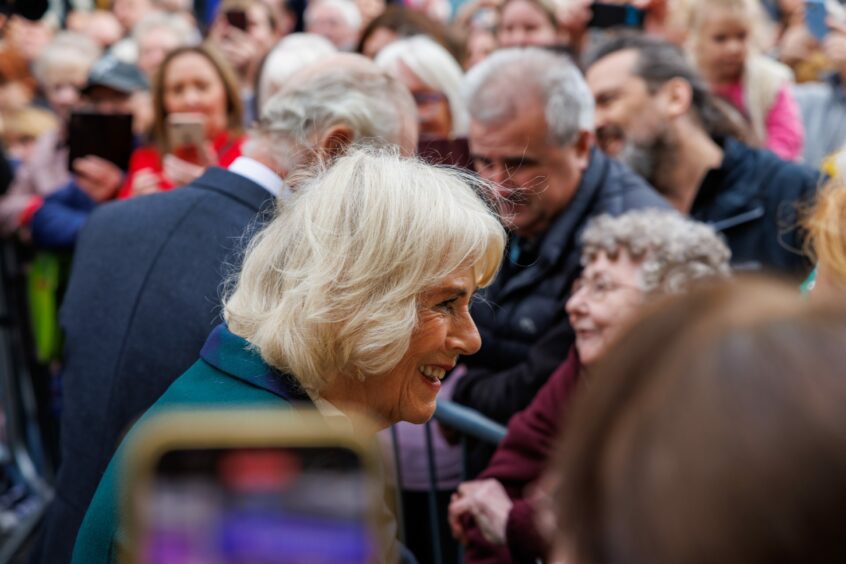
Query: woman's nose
{"points": [[465, 338]]}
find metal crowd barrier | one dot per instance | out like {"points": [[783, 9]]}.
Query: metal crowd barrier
{"points": [[469, 423]]}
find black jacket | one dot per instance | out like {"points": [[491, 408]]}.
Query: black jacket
{"points": [[143, 295], [754, 199], [525, 302]]}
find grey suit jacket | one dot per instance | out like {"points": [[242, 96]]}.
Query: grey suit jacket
{"points": [[144, 293]]}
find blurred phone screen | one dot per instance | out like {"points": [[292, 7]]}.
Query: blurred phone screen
{"points": [[606, 16], [108, 136], [259, 505], [815, 16]]}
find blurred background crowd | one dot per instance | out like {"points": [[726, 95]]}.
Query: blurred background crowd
{"points": [[634, 148]]}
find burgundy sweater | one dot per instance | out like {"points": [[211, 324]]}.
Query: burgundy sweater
{"points": [[519, 460]]}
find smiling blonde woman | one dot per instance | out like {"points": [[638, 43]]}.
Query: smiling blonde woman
{"points": [[354, 298]]}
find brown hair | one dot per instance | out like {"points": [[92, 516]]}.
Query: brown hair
{"points": [[714, 432], [234, 106], [406, 22]]}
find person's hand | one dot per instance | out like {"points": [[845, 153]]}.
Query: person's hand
{"points": [[180, 172], [97, 177], [238, 47], [144, 182], [489, 505], [573, 16]]}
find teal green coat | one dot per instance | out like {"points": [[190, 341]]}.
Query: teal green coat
{"points": [[228, 373]]}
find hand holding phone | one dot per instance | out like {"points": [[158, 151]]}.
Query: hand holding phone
{"points": [[187, 137]]}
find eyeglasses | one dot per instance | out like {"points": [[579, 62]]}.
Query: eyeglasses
{"points": [[599, 288], [428, 98]]}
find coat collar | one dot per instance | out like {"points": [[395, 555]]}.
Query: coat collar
{"points": [[236, 187], [238, 358], [723, 200]]}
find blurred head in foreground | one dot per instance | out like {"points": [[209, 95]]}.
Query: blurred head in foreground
{"points": [[714, 432]]}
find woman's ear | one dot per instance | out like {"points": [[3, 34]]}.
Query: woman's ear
{"points": [[334, 142]]}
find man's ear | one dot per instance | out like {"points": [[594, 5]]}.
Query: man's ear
{"points": [[678, 97], [582, 147], [334, 141]]}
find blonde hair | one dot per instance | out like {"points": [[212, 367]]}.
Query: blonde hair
{"points": [[331, 285], [760, 34], [826, 225]]}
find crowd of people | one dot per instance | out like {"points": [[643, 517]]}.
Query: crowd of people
{"points": [[618, 229]]}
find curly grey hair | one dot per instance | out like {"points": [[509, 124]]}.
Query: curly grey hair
{"points": [[674, 250]]}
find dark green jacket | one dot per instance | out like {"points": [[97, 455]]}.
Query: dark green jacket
{"points": [[228, 373]]}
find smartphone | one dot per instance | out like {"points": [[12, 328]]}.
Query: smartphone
{"points": [[186, 133], [815, 16], [108, 136], [606, 16], [251, 486], [237, 18]]}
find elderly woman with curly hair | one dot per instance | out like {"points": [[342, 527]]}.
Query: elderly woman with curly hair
{"points": [[628, 260], [354, 298]]}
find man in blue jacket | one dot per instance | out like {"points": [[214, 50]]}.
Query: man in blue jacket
{"points": [[656, 114]]}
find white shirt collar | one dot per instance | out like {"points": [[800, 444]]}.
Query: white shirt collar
{"points": [[258, 173]]}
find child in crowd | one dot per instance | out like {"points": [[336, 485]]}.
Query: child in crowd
{"points": [[723, 44]]}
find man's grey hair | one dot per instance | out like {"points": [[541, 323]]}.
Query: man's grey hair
{"points": [[372, 103], [675, 251], [496, 88], [65, 49]]}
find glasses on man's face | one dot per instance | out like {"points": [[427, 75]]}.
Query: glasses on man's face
{"points": [[599, 288]]}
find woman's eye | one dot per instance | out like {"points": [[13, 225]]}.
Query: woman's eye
{"points": [[448, 305]]}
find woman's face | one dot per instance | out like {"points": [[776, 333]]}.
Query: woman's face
{"points": [[525, 24], [433, 113], [722, 43], [444, 331], [603, 300], [191, 84]]}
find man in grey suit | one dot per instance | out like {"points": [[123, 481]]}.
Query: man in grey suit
{"points": [[147, 276]]}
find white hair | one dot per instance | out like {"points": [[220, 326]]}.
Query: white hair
{"points": [[347, 8], [294, 52], [332, 284], [176, 24], [372, 103], [67, 48], [435, 67], [496, 88], [675, 251]]}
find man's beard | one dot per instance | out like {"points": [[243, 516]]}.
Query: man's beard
{"points": [[651, 158]]}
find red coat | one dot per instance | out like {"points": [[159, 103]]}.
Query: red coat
{"points": [[225, 147], [520, 460]]}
